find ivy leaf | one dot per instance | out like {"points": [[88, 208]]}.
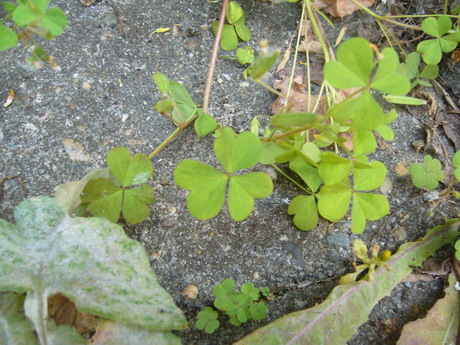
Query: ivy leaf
{"points": [[207, 186], [106, 273], [305, 212], [333, 200], [127, 169], [428, 175], [353, 66]]}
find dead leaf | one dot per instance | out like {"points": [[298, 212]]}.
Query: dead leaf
{"points": [[299, 99], [9, 99], [64, 312], [286, 56], [312, 46], [340, 8], [401, 169], [430, 270], [451, 125]]}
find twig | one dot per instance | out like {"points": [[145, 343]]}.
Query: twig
{"points": [[212, 63]]}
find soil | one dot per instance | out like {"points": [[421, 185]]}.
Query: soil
{"points": [[63, 122]]}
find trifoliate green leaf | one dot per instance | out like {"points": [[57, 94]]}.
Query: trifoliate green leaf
{"points": [[207, 320], [436, 27], [307, 172], [428, 175], [245, 56], [129, 170], [54, 20], [23, 16]]}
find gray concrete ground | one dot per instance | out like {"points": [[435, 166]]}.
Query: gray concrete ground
{"points": [[63, 122]]}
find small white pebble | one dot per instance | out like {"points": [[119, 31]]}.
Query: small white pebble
{"points": [[256, 276]]}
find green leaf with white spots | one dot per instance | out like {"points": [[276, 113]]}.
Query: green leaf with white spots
{"points": [[89, 260]]}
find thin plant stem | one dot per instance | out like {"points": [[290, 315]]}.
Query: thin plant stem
{"points": [[268, 87], [291, 179], [212, 63], [171, 137]]}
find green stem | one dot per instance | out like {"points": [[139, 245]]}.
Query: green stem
{"points": [[317, 31], [171, 137], [291, 179]]}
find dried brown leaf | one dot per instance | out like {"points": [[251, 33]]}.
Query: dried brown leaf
{"points": [[451, 125], [340, 8]]}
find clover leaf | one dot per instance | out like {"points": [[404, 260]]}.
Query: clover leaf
{"points": [[456, 163], [410, 68], [207, 320], [334, 200], [249, 290], [431, 50], [258, 311], [355, 63], [235, 29], [428, 175], [110, 198], [208, 185]]}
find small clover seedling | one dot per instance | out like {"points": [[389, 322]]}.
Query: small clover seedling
{"points": [[241, 306], [411, 69], [368, 263], [32, 17], [207, 320], [180, 108], [431, 50], [208, 186], [108, 198], [427, 175], [235, 28]]}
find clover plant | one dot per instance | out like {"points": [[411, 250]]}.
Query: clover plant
{"points": [[426, 175], [31, 17], [241, 306], [446, 39], [111, 197], [208, 186], [235, 27], [411, 69]]}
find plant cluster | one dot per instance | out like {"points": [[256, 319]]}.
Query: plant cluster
{"points": [[241, 306], [31, 17], [235, 27]]}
